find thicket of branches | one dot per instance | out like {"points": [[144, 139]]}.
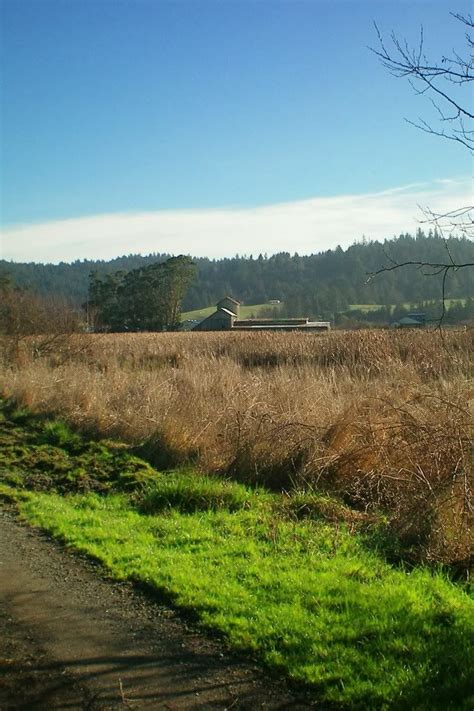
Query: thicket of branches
{"points": [[23, 313]]}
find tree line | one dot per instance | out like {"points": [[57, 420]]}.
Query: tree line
{"points": [[317, 285]]}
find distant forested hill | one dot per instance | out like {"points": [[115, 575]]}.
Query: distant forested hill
{"points": [[310, 285]]}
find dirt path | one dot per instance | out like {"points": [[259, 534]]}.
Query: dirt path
{"points": [[71, 639]]}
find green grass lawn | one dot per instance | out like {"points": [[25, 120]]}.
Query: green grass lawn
{"points": [[308, 597], [198, 313]]}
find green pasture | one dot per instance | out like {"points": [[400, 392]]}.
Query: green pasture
{"points": [[406, 305], [255, 309]]}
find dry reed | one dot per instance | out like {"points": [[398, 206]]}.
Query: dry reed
{"points": [[382, 418]]}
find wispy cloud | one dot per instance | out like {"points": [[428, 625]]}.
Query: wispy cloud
{"points": [[304, 226]]}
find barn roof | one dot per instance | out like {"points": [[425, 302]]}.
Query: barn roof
{"points": [[229, 298]]}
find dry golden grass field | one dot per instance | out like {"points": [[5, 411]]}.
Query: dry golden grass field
{"points": [[381, 419]]}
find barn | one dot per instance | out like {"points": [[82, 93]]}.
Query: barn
{"points": [[226, 318]]}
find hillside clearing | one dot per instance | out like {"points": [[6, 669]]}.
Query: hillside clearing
{"points": [[249, 311], [246, 311]]}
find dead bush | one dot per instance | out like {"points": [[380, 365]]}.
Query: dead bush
{"points": [[412, 459]]}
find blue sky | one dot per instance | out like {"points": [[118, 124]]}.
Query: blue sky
{"points": [[115, 109]]}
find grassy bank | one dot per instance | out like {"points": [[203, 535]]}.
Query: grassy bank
{"points": [[295, 581]]}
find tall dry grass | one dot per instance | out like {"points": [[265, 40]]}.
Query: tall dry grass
{"points": [[382, 418]]}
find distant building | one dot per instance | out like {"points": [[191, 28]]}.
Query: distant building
{"points": [[411, 320], [226, 318], [220, 320], [230, 304]]}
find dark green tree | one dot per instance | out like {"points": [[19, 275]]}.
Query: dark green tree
{"points": [[145, 299]]}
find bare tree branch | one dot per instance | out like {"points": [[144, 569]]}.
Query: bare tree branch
{"points": [[427, 269], [441, 81]]}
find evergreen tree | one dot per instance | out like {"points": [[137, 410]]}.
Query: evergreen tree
{"points": [[145, 299]]}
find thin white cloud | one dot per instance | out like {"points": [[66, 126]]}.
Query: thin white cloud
{"points": [[304, 226]]}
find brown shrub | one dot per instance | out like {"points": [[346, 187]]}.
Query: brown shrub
{"points": [[413, 459]]}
